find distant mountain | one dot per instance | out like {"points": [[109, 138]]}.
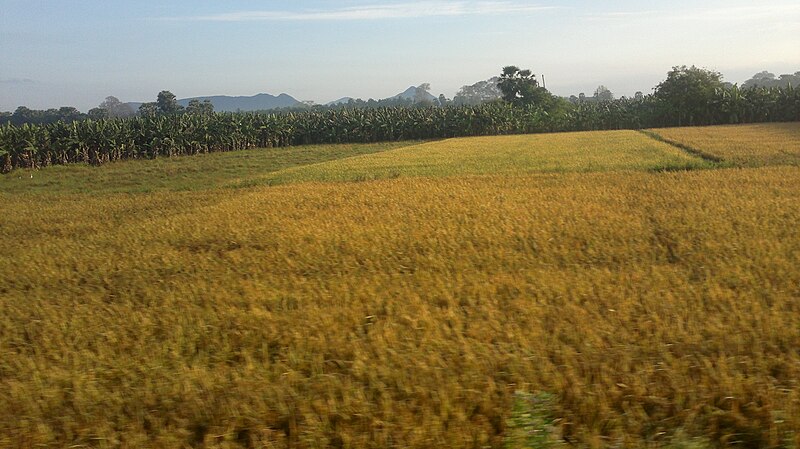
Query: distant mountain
{"points": [[415, 94], [224, 103], [411, 94], [260, 102], [339, 101], [263, 102]]}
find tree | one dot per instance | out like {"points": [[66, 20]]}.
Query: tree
{"points": [[760, 79], [520, 88], [480, 92], [116, 108], [167, 103], [97, 113], [687, 94], [69, 114], [23, 115], [767, 79], [603, 94], [196, 107], [66, 114], [421, 95], [149, 109], [787, 80]]}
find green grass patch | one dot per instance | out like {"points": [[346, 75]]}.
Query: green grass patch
{"points": [[518, 154], [188, 173]]}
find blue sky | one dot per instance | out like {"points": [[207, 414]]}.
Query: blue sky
{"points": [[77, 52]]}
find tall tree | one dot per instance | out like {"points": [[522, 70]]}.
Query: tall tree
{"points": [[97, 113], [69, 114], [760, 79], [520, 88], [603, 94], [116, 108], [688, 93], [167, 103], [196, 107], [24, 115], [767, 79], [421, 94], [480, 92], [149, 109]]}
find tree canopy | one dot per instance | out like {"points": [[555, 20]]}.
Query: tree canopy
{"points": [[167, 103], [150, 109], [480, 92], [767, 79], [116, 108], [687, 93], [196, 107], [603, 94], [520, 88]]}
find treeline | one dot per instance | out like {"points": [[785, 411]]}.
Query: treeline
{"points": [[111, 107], [727, 105], [689, 96], [24, 115]]}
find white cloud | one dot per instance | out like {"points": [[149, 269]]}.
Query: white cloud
{"points": [[408, 10], [722, 14], [746, 13]]}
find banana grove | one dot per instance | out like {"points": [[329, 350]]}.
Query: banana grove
{"points": [[98, 141]]}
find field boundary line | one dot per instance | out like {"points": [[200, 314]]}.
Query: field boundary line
{"points": [[689, 149], [269, 176]]}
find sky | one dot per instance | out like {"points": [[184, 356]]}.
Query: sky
{"points": [[75, 53]]}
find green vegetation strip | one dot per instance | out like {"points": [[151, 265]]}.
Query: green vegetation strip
{"points": [[199, 172]]}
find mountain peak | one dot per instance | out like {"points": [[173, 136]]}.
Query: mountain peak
{"points": [[343, 100], [415, 94]]}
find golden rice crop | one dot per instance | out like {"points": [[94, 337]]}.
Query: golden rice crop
{"points": [[743, 145], [406, 312], [567, 152]]}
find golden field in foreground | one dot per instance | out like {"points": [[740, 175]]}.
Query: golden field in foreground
{"points": [[610, 309]]}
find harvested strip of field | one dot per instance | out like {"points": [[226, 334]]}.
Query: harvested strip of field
{"points": [[405, 312], [567, 152], [202, 171], [742, 145]]}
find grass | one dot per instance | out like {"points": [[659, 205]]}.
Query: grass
{"points": [[531, 424], [639, 308], [742, 145], [519, 154], [199, 172]]}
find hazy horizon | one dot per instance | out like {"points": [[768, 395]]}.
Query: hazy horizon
{"points": [[76, 54]]}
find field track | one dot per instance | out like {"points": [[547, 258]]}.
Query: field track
{"points": [[743, 145]]}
